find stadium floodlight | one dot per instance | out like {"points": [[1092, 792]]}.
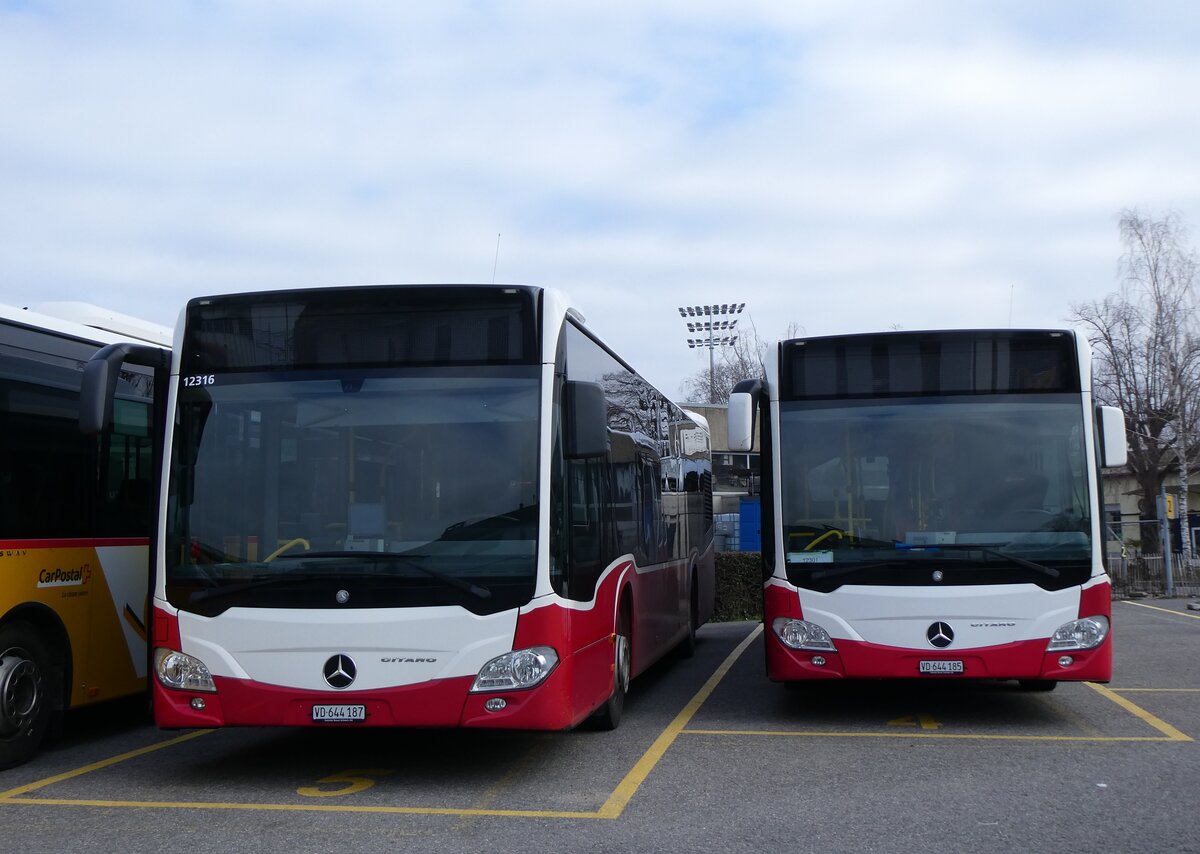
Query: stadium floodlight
{"points": [[707, 324]]}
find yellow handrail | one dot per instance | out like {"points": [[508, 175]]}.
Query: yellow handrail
{"points": [[830, 532], [286, 546]]}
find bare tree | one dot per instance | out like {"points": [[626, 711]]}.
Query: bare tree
{"points": [[1146, 352], [744, 359]]}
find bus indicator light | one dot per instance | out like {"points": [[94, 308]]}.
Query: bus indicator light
{"points": [[496, 704]]}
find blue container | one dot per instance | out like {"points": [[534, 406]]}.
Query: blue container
{"points": [[751, 525]]}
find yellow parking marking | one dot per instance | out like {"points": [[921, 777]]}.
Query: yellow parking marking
{"points": [[1162, 726], [11, 794], [610, 809], [922, 720], [625, 790], [1156, 690], [1164, 610], [217, 805], [932, 735], [1169, 733]]}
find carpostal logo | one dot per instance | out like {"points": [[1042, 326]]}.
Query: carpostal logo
{"points": [[69, 577]]}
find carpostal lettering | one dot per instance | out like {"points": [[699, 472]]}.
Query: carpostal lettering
{"points": [[72, 577]]}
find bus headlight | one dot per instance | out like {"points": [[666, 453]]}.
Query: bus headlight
{"points": [[801, 634], [522, 668], [1079, 634], [182, 672]]}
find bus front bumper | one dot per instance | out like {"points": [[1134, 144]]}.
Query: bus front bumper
{"points": [[1023, 660]]}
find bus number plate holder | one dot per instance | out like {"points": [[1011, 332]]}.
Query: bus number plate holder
{"points": [[335, 713], [940, 667]]}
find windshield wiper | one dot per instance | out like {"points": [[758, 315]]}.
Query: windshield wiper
{"points": [[1048, 571], [854, 569], [387, 557], [254, 583]]}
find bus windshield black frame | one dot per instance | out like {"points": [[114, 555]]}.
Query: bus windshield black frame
{"points": [[934, 459], [347, 450]]}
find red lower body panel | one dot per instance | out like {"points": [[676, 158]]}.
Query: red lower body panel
{"points": [[861, 660], [439, 703], [581, 682]]}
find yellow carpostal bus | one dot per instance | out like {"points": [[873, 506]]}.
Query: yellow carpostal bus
{"points": [[76, 518]]}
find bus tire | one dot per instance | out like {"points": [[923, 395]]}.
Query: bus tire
{"points": [[687, 647], [25, 702], [1037, 684], [608, 716]]}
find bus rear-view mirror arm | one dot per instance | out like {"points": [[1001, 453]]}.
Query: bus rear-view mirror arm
{"points": [[100, 377]]}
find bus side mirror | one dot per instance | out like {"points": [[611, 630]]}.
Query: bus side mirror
{"points": [[100, 377], [742, 406], [1113, 450], [585, 420]]}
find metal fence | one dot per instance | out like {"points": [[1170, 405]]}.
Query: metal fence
{"points": [[1145, 575], [1136, 566]]}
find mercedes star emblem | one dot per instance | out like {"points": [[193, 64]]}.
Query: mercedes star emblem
{"points": [[940, 635], [340, 671]]}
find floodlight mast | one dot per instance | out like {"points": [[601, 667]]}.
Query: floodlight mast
{"points": [[710, 326]]}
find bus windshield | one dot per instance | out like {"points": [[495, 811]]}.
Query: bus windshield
{"points": [[375, 488], [965, 489]]}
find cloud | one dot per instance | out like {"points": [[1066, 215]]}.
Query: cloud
{"points": [[848, 167]]}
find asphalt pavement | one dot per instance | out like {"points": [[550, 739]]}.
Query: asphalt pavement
{"points": [[710, 756]]}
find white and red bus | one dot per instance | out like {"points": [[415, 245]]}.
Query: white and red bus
{"points": [[431, 506], [76, 516], [932, 506]]}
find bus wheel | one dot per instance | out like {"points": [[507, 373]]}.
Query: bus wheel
{"points": [[608, 716], [1037, 684], [24, 706], [687, 647]]}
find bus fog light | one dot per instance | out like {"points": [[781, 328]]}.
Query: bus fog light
{"points": [[522, 668], [182, 672], [801, 634], [496, 704], [197, 704], [1066, 661], [818, 660], [1086, 633]]}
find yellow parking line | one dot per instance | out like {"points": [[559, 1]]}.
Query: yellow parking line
{"points": [[626, 788], [1162, 726], [1156, 690], [216, 805], [611, 809], [11, 794], [1164, 610], [929, 735]]}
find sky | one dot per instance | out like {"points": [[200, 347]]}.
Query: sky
{"points": [[840, 167]]}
